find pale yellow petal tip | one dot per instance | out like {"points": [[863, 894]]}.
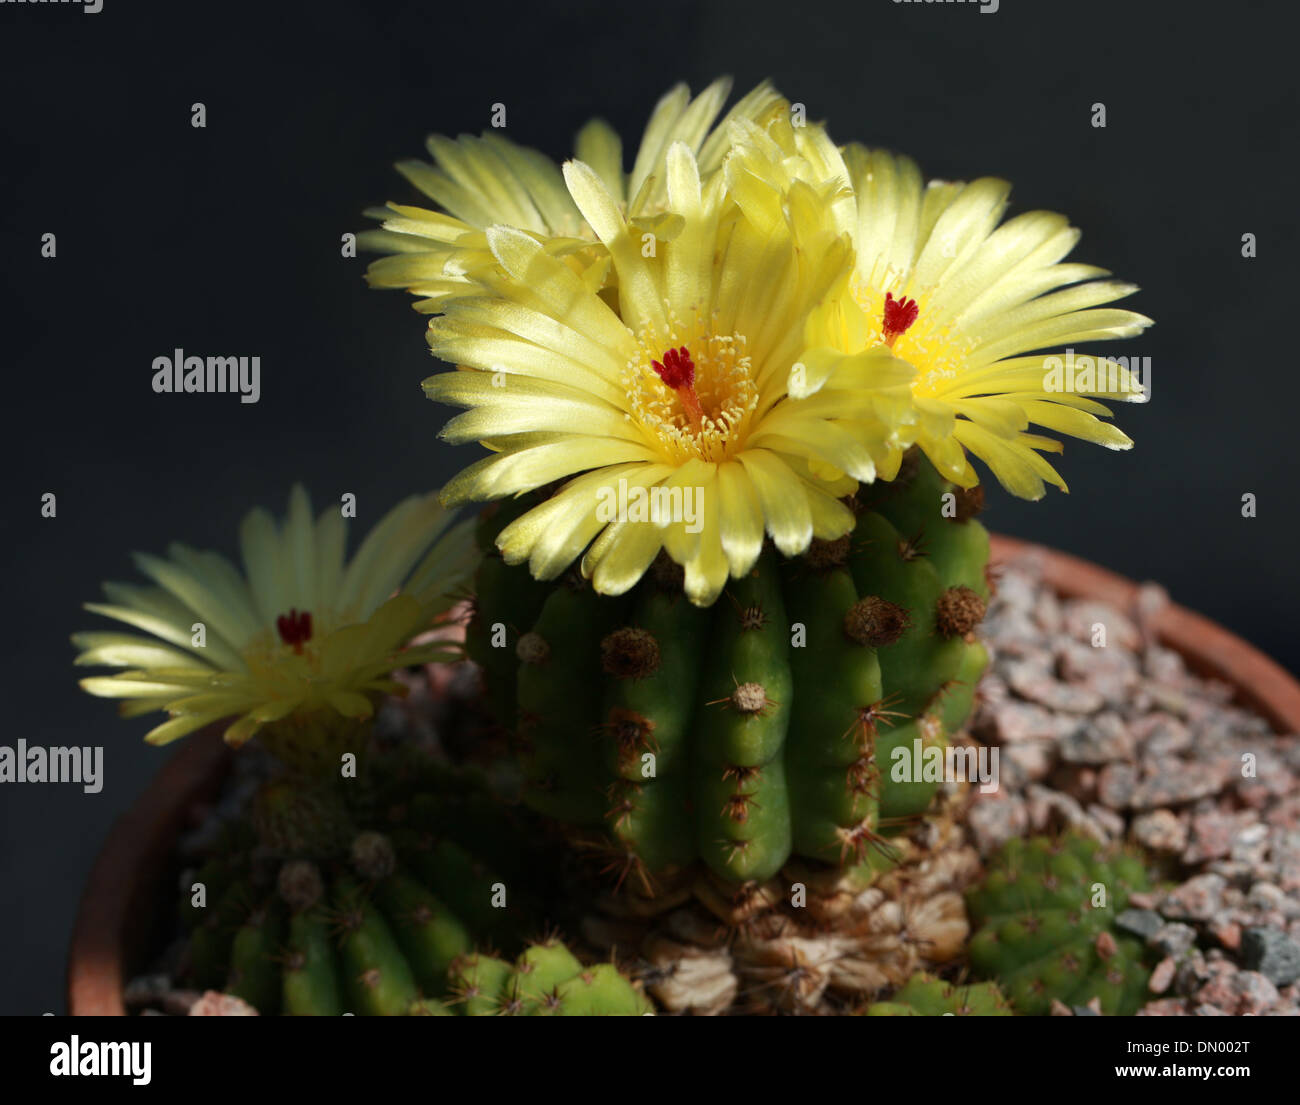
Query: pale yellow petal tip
{"points": [[603, 586], [452, 496], [352, 705], [241, 731], [702, 591]]}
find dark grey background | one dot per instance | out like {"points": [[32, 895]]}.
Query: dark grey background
{"points": [[226, 241]]}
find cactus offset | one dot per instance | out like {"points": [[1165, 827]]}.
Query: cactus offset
{"points": [[295, 924], [390, 947], [927, 996], [1047, 910], [325, 941], [763, 727], [546, 980]]}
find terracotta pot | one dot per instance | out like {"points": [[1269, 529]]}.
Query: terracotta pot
{"points": [[128, 893], [128, 897]]}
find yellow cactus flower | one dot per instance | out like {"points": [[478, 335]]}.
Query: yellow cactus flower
{"points": [[672, 392], [970, 306], [481, 182], [301, 643]]}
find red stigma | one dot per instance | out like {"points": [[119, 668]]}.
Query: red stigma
{"points": [[677, 370], [899, 315], [294, 629]]}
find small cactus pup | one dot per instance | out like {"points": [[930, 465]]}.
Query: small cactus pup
{"points": [[546, 980], [1046, 912], [373, 932], [924, 995]]}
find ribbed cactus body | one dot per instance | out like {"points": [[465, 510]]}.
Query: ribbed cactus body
{"points": [[766, 726], [310, 984], [1047, 910], [325, 941], [373, 926], [391, 948]]}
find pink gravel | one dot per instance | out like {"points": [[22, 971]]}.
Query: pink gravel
{"points": [[1119, 740]]}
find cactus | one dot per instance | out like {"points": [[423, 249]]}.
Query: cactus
{"points": [[546, 980], [294, 923], [1047, 910], [759, 728], [327, 940], [926, 996], [329, 943]]}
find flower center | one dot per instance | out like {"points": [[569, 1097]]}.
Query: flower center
{"points": [[693, 399], [294, 629], [917, 336]]}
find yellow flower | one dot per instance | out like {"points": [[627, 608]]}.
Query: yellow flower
{"points": [[775, 167], [677, 397], [487, 181], [302, 635], [969, 305]]}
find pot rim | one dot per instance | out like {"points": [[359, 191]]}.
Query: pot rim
{"points": [[126, 872]]}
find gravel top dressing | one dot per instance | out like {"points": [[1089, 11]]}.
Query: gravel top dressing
{"points": [[1105, 731]]}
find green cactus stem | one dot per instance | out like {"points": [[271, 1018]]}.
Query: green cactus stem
{"points": [[763, 727]]}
